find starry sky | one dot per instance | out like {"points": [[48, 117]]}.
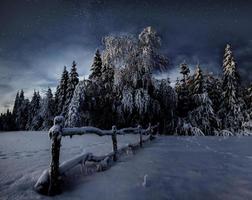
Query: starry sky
{"points": [[39, 37]]}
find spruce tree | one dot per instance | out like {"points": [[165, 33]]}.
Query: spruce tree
{"points": [[230, 112], [19, 112], [185, 71], [48, 110], [61, 92], [34, 112], [108, 76], [16, 104], [214, 89], [96, 68], [15, 110], [183, 92], [22, 112], [197, 86], [72, 83], [202, 113]]}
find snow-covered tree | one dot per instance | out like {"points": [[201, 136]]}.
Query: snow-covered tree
{"points": [[248, 100], [77, 109], [150, 42], [108, 76], [21, 111], [185, 71], [203, 116], [72, 82], [61, 92], [96, 68], [48, 110], [183, 92], [164, 106], [7, 122], [214, 89], [231, 108], [198, 84], [35, 120]]}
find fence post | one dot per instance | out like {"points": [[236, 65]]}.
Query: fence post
{"points": [[114, 141], [55, 134], [140, 135]]}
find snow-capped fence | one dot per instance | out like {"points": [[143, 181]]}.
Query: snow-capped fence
{"points": [[48, 183]]}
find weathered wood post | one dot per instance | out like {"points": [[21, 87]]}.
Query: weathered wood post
{"points": [[114, 141], [55, 134], [140, 135]]}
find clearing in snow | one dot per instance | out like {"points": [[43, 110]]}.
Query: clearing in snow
{"points": [[168, 168]]}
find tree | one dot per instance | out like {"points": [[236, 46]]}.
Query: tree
{"points": [[248, 100], [108, 76], [16, 107], [183, 92], [96, 68], [61, 92], [48, 110], [202, 114], [198, 85], [77, 108], [34, 120], [230, 112], [72, 82], [214, 90], [22, 113], [185, 71]]}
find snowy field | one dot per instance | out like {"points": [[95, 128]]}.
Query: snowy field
{"points": [[175, 167]]}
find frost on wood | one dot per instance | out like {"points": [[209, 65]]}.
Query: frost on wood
{"points": [[56, 130], [85, 130]]}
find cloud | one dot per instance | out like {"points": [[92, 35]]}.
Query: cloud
{"points": [[40, 70]]}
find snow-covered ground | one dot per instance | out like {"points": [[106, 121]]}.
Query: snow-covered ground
{"points": [[173, 168]]}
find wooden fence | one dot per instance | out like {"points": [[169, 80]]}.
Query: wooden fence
{"points": [[49, 183]]}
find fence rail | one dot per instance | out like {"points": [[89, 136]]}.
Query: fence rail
{"points": [[48, 183]]}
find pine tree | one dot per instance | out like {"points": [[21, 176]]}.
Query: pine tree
{"points": [[214, 89], [48, 110], [15, 111], [34, 121], [185, 71], [197, 86], [248, 100], [16, 104], [183, 92], [96, 68], [230, 112], [72, 83], [22, 112], [77, 110], [61, 92], [108, 76]]}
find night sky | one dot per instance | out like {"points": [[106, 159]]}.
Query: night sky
{"points": [[39, 37]]}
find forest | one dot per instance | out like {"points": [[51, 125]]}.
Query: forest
{"points": [[123, 90]]}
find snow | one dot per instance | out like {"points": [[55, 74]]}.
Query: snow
{"points": [[167, 168]]}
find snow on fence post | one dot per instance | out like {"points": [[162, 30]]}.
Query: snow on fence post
{"points": [[140, 135], [55, 134], [114, 141]]}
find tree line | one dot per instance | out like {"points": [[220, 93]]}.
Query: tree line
{"points": [[123, 89]]}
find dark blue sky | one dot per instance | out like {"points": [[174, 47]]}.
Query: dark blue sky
{"points": [[39, 37]]}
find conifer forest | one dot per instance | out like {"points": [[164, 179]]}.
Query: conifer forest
{"points": [[122, 89]]}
